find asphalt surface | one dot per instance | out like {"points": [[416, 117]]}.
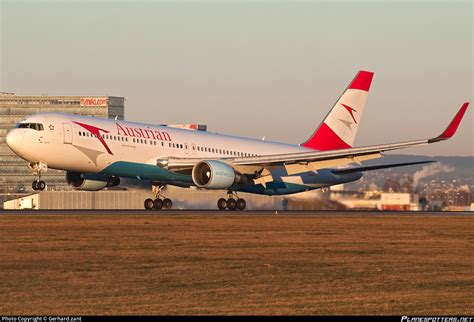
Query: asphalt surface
{"points": [[122, 212]]}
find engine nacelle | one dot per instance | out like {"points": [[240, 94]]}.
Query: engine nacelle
{"points": [[90, 181], [212, 174]]}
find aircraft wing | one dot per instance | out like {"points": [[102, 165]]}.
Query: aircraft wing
{"points": [[314, 160], [323, 159]]}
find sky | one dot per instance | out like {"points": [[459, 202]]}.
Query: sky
{"points": [[252, 68]]}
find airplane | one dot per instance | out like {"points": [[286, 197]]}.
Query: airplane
{"points": [[96, 153]]}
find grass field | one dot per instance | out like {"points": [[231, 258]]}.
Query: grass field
{"points": [[158, 264]]}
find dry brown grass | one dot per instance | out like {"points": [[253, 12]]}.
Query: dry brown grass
{"points": [[159, 264]]}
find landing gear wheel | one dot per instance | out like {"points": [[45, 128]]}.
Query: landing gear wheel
{"points": [[241, 204], [157, 204], [221, 204], [34, 185], [149, 204], [41, 185], [167, 203], [231, 204]]}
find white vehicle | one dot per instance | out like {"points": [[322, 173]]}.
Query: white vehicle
{"points": [[96, 153]]}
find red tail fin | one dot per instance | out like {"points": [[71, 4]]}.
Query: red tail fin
{"points": [[339, 128]]}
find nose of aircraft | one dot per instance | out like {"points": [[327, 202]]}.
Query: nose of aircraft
{"points": [[15, 140]]}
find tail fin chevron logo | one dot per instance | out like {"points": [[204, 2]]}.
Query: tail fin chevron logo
{"points": [[95, 131], [351, 111], [339, 128]]}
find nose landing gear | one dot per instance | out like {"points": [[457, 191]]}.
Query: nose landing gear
{"points": [[159, 202], [38, 185], [38, 168], [231, 203]]}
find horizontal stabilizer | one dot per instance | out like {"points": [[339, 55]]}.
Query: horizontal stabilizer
{"points": [[376, 167]]}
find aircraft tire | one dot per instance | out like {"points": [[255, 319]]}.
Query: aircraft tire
{"points": [[157, 204], [149, 204], [241, 204], [167, 203], [231, 204], [41, 185], [222, 204]]}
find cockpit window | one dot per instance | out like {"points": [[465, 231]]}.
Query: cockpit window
{"points": [[34, 126]]}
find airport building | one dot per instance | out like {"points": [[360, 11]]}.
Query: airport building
{"points": [[15, 176], [133, 199]]}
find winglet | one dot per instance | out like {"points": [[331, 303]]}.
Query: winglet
{"points": [[453, 126]]}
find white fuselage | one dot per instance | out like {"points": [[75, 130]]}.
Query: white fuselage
{"points": [[66, 145], [127, 149]]}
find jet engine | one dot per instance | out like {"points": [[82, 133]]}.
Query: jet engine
{"points": [[213, 174], [90, 181]]}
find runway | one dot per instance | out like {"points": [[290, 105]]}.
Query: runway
{"points": [[210, 212]]}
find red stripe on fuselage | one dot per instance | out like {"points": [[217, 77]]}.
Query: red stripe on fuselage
{"points": [[96, 131], [325, 139]]}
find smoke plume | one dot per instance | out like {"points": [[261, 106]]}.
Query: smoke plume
{"points": [[430, 170]]}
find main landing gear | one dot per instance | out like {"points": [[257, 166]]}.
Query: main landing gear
{"points": [[38, 168], [231, 203], [159, 202]]}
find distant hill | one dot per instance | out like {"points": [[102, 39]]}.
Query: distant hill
{"points": [[447, 168]]}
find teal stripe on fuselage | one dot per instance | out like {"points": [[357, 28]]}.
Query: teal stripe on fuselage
{"points": [[143, 171], [154, 173]]}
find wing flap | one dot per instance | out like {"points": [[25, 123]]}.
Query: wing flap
{"points": [[377, 167]]}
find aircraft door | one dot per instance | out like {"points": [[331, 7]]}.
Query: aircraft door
{"points": [[67, 129], [186, 148]]}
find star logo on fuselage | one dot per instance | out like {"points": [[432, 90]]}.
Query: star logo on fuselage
{"points": [[51, 127]]}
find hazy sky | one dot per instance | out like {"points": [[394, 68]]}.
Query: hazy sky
{"points": [[252, 68]]}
